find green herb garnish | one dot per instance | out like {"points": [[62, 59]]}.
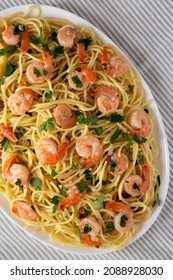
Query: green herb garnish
{"points": [[53, 35], [87, 229], [10, 68], [113, 165], [87, 213], [123, 220], [99, 201], [20, 133], [63, 191], [78, 69], [40, 40], [135, 186], [53, 173], [139, 141], [86, 42], [104, 65], [2, 82], [38, 73], [7, 49], [18, 28], [5, 142], [55, 201], [98, 131], [88, 175], [158, 180], [57, 51], [141, 159], [115, 135], [18, 182], [35, 182], [48, 94], [47, 125], [77, 81], [126, 136], [114, 118], [82, 186], [131, 87], [110, 227]]}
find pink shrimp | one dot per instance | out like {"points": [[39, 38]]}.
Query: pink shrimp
{"points": [[136, 185], [90, 148], [67, 36], [121, 164], [107, 99], [24, 210], [64, 117], [73, 196], [11, 39], [140, 121], [80, 80], [21, 101], [48, 152], [123, 221], [89, 229], [13, 171], [38, 72], [7, 132], [115, 66]]}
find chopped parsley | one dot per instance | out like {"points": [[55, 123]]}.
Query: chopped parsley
{"points": [[55, 202], [131, 87], [115, 135], [113, 165], [73, 167], [123, 220], [53, 173], [5, 142], [93, 118], [38, 73], [98, 131], [86, 42], [20, 133], [139, 141], [127, 137], [82, 186], [82, 120], [40, 40], [114, 118], [77, 81], [88, 175], [18, 28], [48, 94], [87, 212], [35, 182], [10, 68], [2, 82], [141, 159], [47, 125], [18, 182], [157, 201], [7, 49], [87, 229], [99, 201], [110, 227], [53, 35], [78, 69], [63, 191], [57, 51], [135, 186]]}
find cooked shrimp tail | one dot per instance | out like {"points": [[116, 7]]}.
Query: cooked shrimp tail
{"points": [[24, 211], [7, 132]]}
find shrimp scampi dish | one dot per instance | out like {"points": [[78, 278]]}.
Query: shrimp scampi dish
{"points": [[78, 155]]}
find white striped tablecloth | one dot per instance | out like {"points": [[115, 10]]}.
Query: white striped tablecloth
{"points": [[144, 30]]}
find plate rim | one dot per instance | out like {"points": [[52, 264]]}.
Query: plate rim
{"points": [[151, 220]]}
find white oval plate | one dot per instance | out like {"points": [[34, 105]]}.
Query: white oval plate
{"points": [[159, 133]]}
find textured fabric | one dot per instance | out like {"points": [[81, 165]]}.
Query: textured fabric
{"points": [[143, 29]]}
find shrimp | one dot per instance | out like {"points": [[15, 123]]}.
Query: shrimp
{"points": [[64, 117], [21, 101], [107, 99], [11, 39], [38, 72], [89, 229], [25, 211], [7, 132], [67, 36], [48, 152], [140, 121], [80, 80], [90, 148], [13, 171], [115, 66], [121, 164], [73, 196], [123, 221], [136, 185]]}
